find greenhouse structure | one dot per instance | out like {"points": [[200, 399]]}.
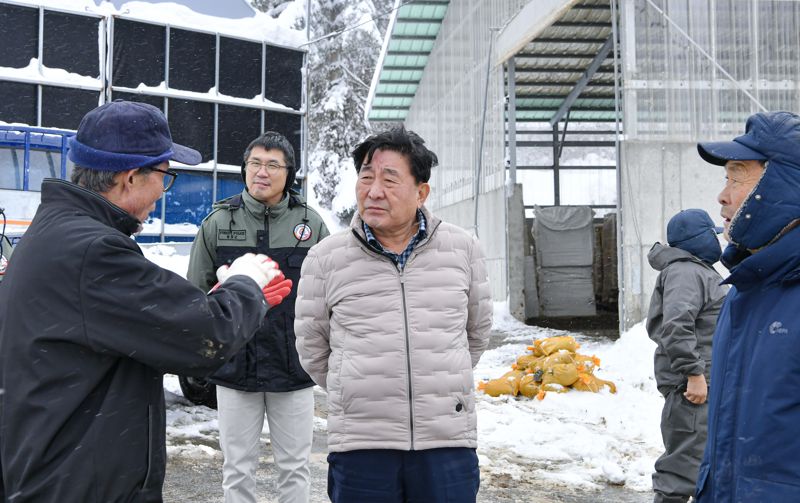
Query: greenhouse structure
{"points": [[538, 108]]}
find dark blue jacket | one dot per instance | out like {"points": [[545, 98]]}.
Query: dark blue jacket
{"points": [[88, 326], [753, 450]]}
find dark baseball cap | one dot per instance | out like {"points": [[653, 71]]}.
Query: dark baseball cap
{"points": [[756, 144], [688, 224], [123, 135]]}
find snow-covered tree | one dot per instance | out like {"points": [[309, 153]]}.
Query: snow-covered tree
{"points": [[340, 71], [275, 7], [346, 37]]}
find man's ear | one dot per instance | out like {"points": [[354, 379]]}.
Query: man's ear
{"points": [[127, 178], [423, 190]]}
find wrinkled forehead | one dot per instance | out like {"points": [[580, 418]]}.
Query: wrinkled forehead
{"points": [[744, 167]]}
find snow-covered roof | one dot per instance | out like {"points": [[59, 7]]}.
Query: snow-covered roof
{"points": [[229, 17]]}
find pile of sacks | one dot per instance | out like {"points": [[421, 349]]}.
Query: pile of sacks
{"points": [[553, 364]]}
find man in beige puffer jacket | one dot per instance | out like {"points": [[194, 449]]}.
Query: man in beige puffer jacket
{"points": [[391, 317]]}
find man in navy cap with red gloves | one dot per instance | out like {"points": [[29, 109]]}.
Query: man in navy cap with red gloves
{"points": [[88, 325], [754, 406]]}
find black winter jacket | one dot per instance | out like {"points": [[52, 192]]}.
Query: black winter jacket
{"points": [[88, 326]]}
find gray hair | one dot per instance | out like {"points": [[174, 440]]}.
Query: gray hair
{"points": [[98, 181]]}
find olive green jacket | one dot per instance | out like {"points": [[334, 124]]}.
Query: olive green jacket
{"points": [[285, 231]]}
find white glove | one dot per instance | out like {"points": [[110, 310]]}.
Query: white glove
{"points": [[260, 268]]}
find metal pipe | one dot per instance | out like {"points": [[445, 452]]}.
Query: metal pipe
{"points": [[512, 122], [619, 227], [483, 128]]}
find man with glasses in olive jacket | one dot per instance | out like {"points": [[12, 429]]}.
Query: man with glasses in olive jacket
{"points": [[264, 377]]}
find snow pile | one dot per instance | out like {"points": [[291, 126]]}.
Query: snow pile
{"points": [[168, 257]]}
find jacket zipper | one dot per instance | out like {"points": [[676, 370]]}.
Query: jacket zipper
{"points": [[408, 359]]}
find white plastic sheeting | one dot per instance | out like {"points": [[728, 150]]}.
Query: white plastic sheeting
{"points": [[689, 65]]}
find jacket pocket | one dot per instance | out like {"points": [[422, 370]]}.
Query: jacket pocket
{"points": [[296, 260], [681, 414], [151, 449]]}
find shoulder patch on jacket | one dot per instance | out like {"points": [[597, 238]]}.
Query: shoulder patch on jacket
{"points": [[302, 232]]}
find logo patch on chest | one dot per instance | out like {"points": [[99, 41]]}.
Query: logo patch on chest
{"points": [[776, 327], [302, 232], [230, 235]]}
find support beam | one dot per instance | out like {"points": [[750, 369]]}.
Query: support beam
{"points": [[584, 80], [512, 122]]}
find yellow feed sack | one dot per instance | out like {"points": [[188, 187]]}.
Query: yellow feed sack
{"points": [[528, 386], [588, 382], [589, 363], [560, 373], [524, 361], [557, 358], [497, 387], [552, 344], [507, 384], [535, 350]]}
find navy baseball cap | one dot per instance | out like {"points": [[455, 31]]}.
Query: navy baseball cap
{"points": [[123, 135], [688, 224], [748, 147], [693, 231]]}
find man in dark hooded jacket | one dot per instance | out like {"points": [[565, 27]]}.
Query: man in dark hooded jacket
{"points": [[683, 312], [754, 406]]}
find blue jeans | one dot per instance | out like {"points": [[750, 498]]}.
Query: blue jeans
{"points": [[448, 475]]}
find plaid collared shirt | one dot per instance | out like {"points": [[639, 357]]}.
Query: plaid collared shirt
{"points": [[399, 259]]}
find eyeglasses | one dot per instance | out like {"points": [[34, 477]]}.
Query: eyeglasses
{"points": [[169, 177], [272, 167]]}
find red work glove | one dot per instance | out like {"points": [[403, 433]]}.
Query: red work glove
{"points": [[277, 290], [259, 268], [263, 270]]}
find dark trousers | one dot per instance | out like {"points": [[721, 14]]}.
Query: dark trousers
{"points": [[448, 475], [684, 429]]}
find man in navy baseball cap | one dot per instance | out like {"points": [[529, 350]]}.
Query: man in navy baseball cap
{"points": [[89, 325], [123, 135], [122, 151]]}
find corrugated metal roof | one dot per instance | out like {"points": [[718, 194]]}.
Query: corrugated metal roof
{"points": [[413, 33], [547, 69]]}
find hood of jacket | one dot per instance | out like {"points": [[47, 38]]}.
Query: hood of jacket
{"points": [[661, 255], [773, 203]]}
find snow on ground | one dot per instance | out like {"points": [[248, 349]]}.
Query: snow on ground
{"points": [[576, 439]]}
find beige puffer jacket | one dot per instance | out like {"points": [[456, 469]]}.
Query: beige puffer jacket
{"points": [[395, 350]]}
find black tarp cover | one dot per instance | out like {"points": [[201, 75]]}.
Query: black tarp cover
{"points": [[138, 54], [70, 43], [239, 68], [192, 57], [283, 76], [19, 31]]}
